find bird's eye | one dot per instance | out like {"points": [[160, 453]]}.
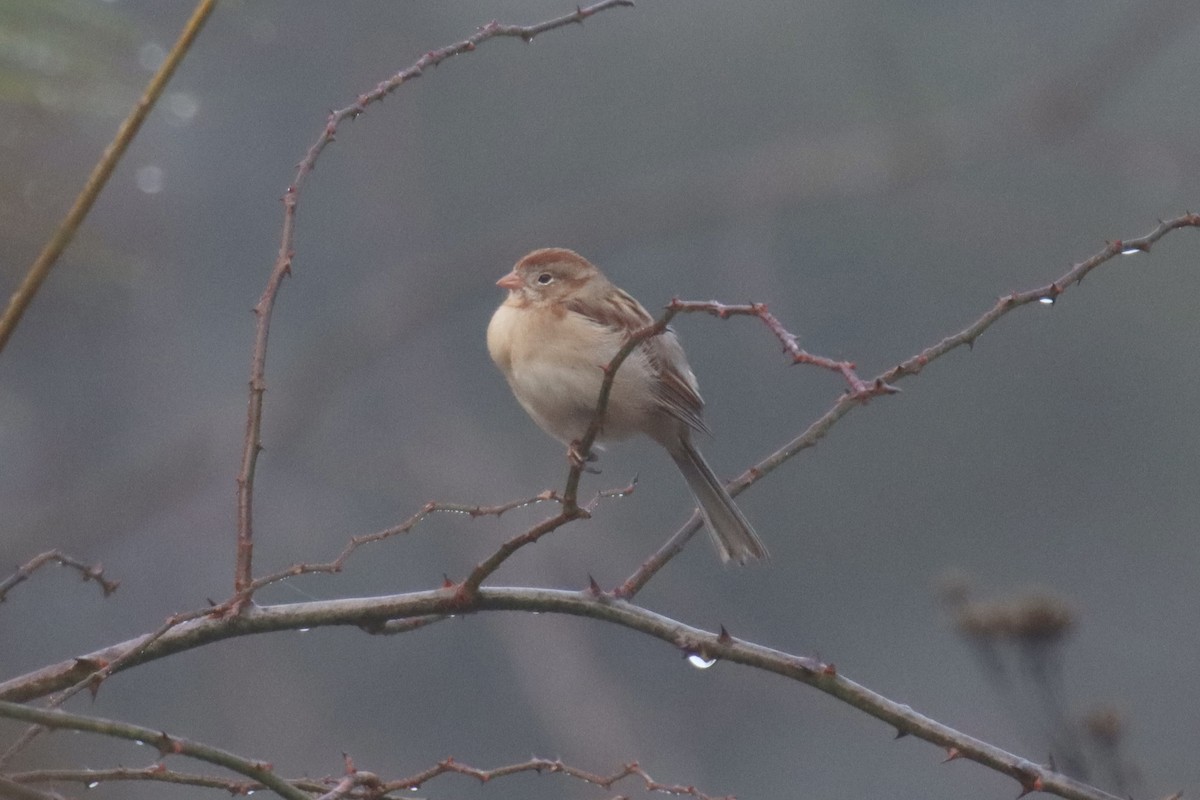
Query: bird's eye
{"points": [[545, 278]]}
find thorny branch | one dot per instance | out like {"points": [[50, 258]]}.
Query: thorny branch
{"points": [[252, 445], [357, 784], [337, 564], [198, 628], [166, 744], [883, 383], [590, 604], [791, 344], [92, 572], [90, 672]]}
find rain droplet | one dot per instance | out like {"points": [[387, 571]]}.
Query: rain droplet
{"points": [[93, 784], [303, 630], [700, 662], [1046, 301], [139, 743], [1128, 251]]}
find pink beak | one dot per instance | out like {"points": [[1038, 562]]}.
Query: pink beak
{"points": [[510, 281]]}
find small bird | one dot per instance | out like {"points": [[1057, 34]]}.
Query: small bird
{"points": [[560, 325]]}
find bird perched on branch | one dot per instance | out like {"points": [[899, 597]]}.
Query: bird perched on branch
{"points": [[556, 332]]}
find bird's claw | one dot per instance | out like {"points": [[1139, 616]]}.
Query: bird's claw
{"points": [[579, 460]]}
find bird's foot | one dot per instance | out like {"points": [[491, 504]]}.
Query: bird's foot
{"points": [[579, 460]]}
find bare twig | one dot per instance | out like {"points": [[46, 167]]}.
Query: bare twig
{"points": [[337, 564], [356, 783], [686, 639], [103, 170], [89, 673], [791, 345], [244, 574], [417, 608], [167, 745], [89, 572], [545, 765], [883, 383], [492, 563], [18, 791], [157, 773]]}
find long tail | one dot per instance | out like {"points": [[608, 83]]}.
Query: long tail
{"points": [[732, 533]]}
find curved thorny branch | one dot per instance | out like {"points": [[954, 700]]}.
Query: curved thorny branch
{"points": [[411, 610], [252, 445], [353, 784], [89, 572], [883, 384], [237, 617], [686, 639]]}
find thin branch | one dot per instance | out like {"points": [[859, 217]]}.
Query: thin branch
{"points": [[89, 572], [882, 384], [89, 673], [492, 563], [18, 791], [685, 639], [201, 628], [355, 783], [545, 765], [336, 565], [166, 744], [791, 344], [156, 773], [252, 446], [103, 170]]}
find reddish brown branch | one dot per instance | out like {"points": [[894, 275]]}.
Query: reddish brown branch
{"points": [[90, 672], [859, 390], [718, 646], [470, 586], [356, 783], [89, 572], [252, 445], [336, 565], [492, 563], [883, 383], [544, 765], [1048, 294]]}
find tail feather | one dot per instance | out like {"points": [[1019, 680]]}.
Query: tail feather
{"points": [[732, 533]]}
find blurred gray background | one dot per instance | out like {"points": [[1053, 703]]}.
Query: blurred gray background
{"points": [[877, 172]]}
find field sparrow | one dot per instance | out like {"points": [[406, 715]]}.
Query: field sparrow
{"points": [[562, 322]]}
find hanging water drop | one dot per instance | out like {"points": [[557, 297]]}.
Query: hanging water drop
{"points": [[700, 662], [1046, 301]]}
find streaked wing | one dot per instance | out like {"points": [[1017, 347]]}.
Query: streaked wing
{"points": [[677, 390]]}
